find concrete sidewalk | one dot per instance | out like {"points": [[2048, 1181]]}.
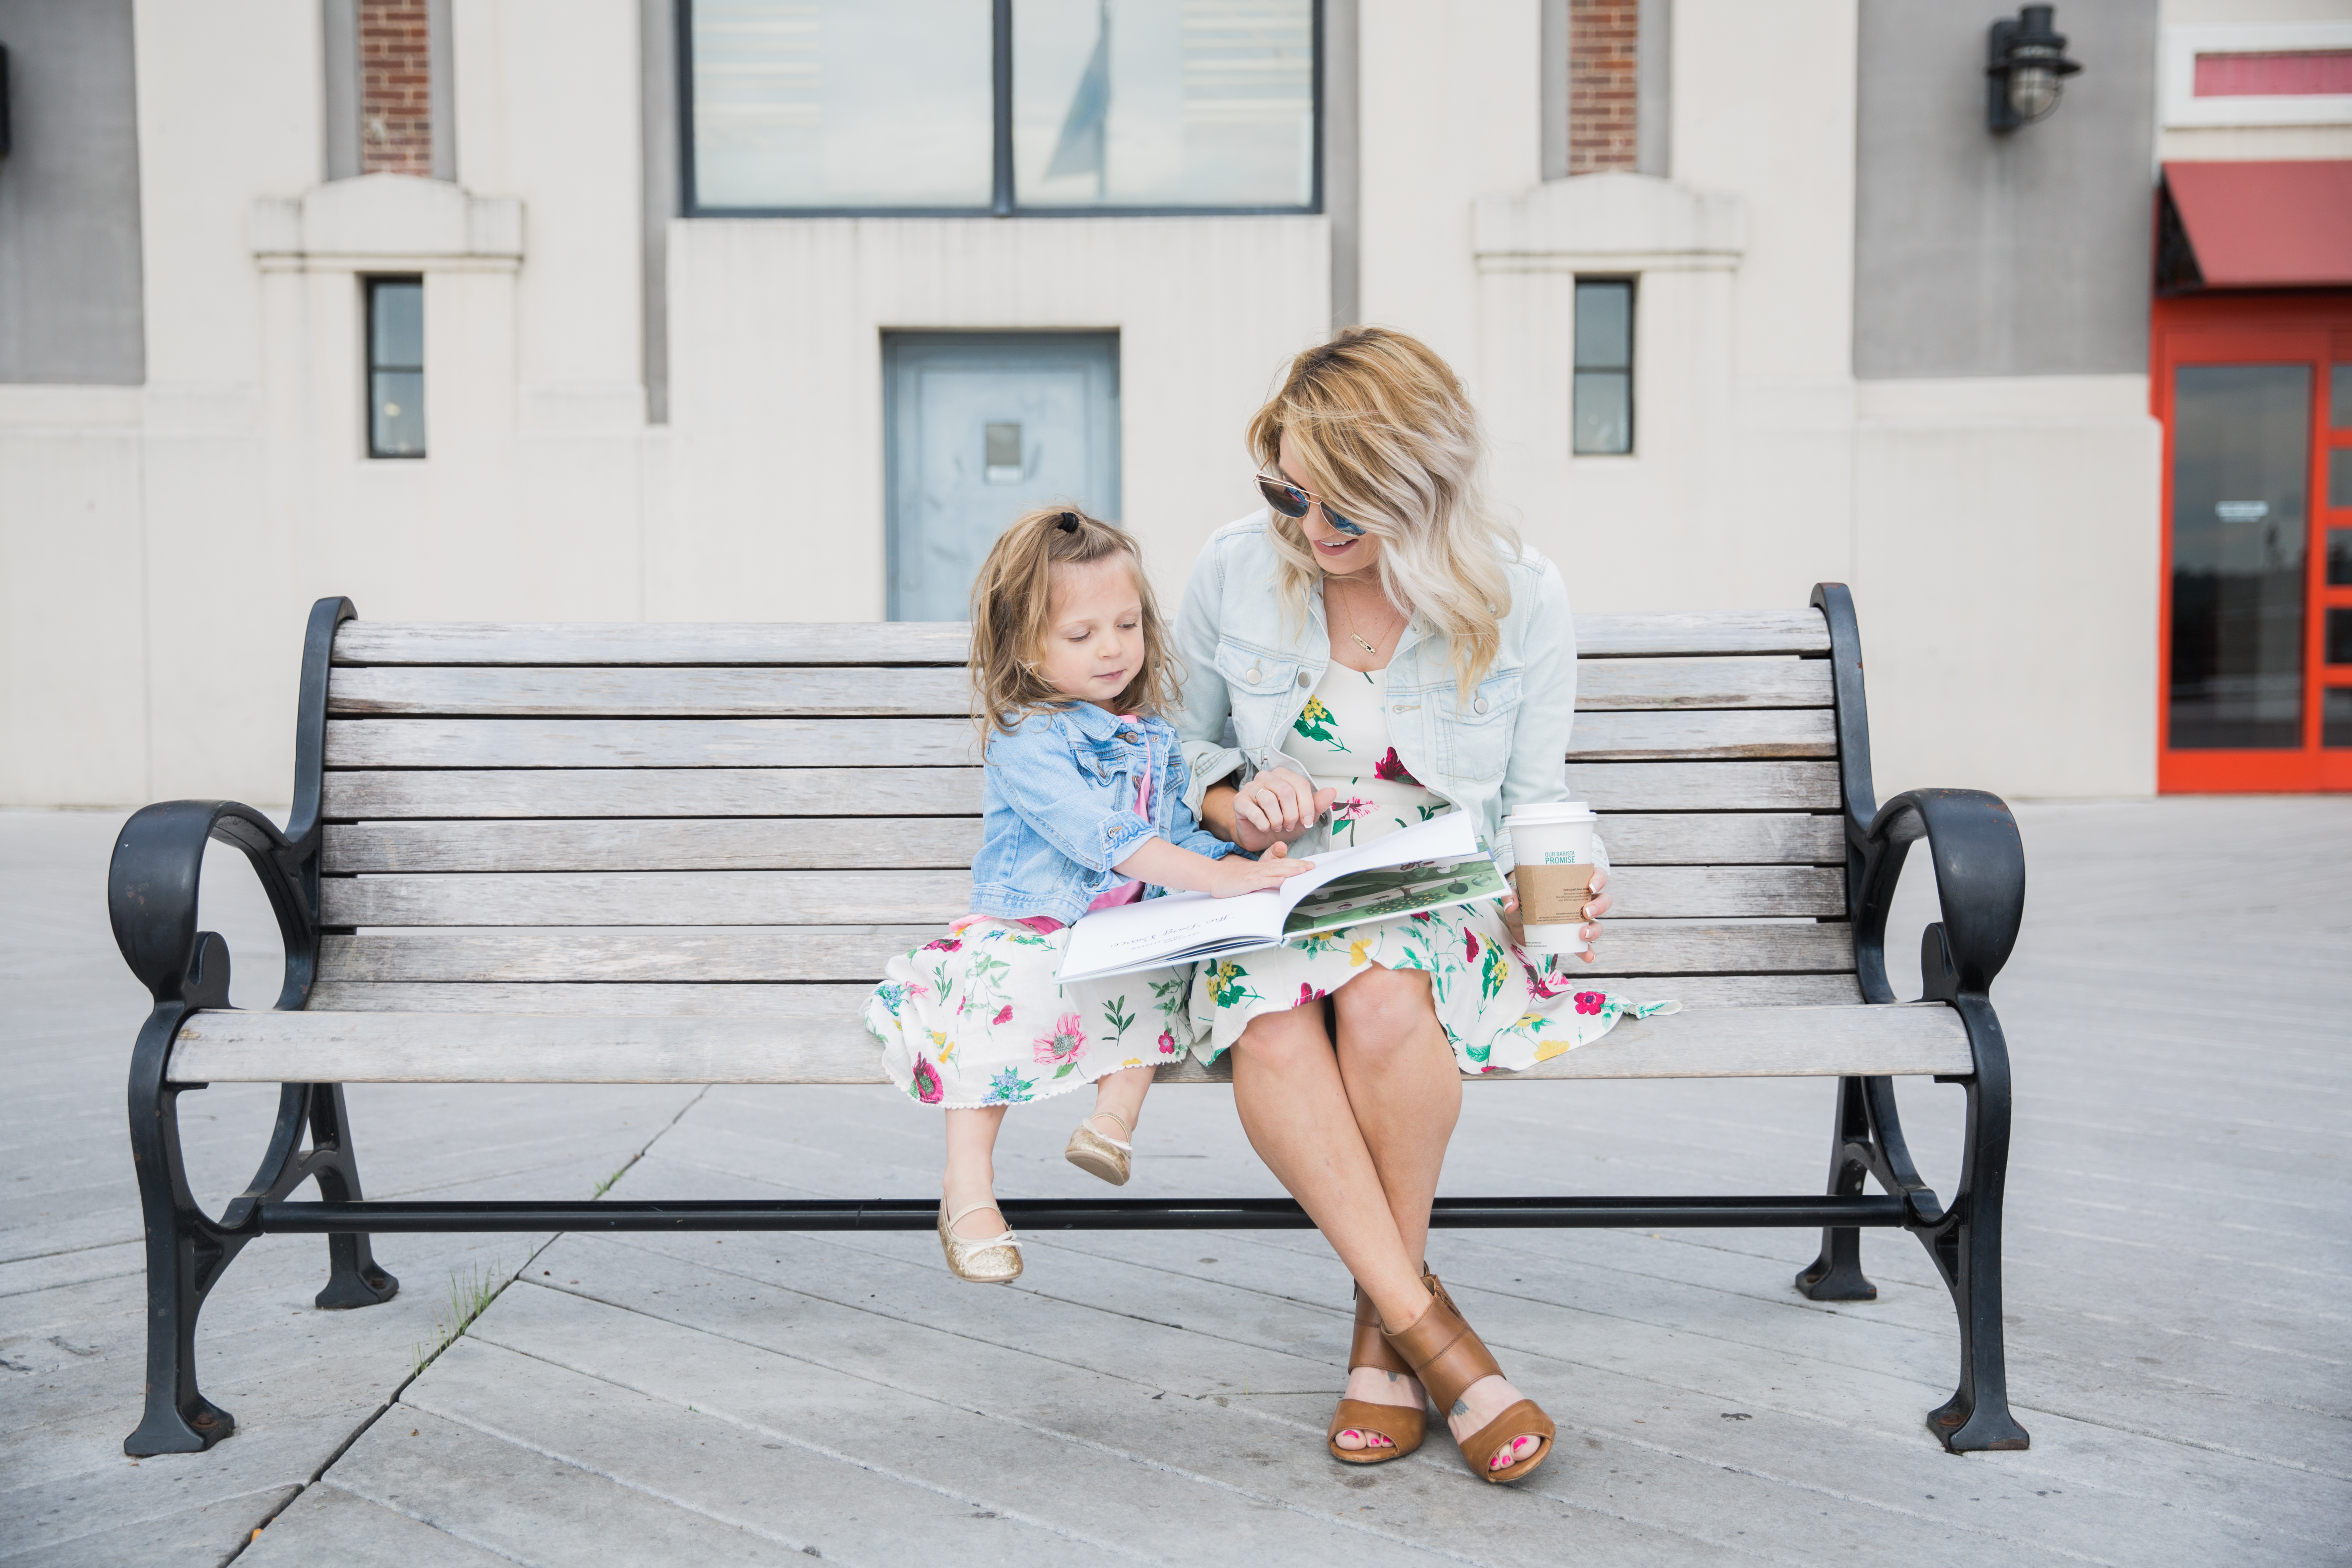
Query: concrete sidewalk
{"points": [[2180, 1240]]}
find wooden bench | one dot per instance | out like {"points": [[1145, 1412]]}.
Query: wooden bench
{"points": [[655, 853]]}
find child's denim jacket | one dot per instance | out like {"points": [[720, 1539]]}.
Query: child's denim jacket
{"points": [[1057, 807]]}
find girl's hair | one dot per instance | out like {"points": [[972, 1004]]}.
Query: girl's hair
{"points": [[1381, 427], [1014, 594]]}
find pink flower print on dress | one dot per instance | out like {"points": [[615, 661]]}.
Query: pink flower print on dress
{"points": [[1543, 982], [1308, 994], [1393, 770], [1590, 1001], [927, 1081], [945, 944], [1005, 1016], [1067, 1042], [1469, 945], [1167, 1044]]}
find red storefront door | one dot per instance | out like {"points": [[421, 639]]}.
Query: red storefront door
{"points": [[2256, 394]]}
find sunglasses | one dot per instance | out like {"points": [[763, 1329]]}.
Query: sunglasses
{"points": [[1291, 502]]}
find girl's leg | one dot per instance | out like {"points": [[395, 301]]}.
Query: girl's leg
{"points": [[1405, 1090], [971, 1175], [1121, 1094]]}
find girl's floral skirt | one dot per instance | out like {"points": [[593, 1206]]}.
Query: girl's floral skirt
{"points": [[1502, 1009], [976, 1019]]}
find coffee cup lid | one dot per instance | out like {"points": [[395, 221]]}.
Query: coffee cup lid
{"points": [[1563, 811]]}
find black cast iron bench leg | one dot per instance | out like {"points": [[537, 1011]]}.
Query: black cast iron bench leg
{"points": [[1836, 1275]]}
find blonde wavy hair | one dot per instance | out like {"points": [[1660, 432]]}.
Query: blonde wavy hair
{"points": [[1380, 426], [1012, 600]]}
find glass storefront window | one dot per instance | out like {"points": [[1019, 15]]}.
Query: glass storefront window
{"points": [[1107, 105], [2240, 473], [1152, 103], [841, 103]]}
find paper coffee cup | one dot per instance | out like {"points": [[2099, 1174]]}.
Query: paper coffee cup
{"points": [[1554, 845]]}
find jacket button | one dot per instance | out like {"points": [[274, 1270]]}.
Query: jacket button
{"points": [[1304, 678], [1253, 675], [1479, 706]]}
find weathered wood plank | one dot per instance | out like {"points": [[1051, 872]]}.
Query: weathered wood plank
{"points": [[649, 742], [1654, 633], [848, 953], [577, 691], [1706, 786], [653, 791], [649, 899], [1727, 734], [752, 843], [653, 642], [1727, 892], [1605, 684], [1677, 838], [1645, 633], [477, 1048], [803, 1001]]}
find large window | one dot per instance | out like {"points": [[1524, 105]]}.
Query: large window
{"points": [[976, 107]]}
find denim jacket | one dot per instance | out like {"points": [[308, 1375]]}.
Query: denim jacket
{"points": [[1247, 658], [1057, 809]]}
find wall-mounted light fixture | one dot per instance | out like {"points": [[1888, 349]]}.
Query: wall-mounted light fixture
{"points": [[2025, 60]]}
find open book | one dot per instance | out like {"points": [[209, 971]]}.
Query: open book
{"points": [[1425, 866]]}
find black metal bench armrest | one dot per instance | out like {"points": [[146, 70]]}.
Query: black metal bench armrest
{"points": [[151, 897], [1979, 864]]}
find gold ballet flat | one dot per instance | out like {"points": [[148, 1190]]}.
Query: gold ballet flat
{"points": [[993, 1261], [1097, 1155]]}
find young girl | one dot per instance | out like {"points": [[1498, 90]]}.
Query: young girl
{"points": [[1083, 804]]}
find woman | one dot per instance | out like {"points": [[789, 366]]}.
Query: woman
{"points": [[1385, 651]]}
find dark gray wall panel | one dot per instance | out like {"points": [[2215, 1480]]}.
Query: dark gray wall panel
{"points": [[70, 276], [2017, 255]]}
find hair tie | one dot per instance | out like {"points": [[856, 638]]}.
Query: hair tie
{"points": [[1067, 522]]}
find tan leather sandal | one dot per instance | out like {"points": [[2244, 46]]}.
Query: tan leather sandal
{"points": [[1097, 1155], [1447, 1356], [1402, 1425], [991, 1260]]}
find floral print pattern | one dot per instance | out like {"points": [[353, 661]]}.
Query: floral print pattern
{"points": [[977, 1018]]}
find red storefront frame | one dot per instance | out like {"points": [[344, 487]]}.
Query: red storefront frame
{"points": [[2311, 328]]}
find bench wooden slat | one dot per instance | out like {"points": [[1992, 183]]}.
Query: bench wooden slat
{"points": [[507, 692], [653, 791], [834, 898], [649, 742], [1713, 733], [1742, 838], [475, 1047], [801, 1000], [733, 692], [866, 843], [1706, 786], [946, 642], [812, 742], [1605, 684], [849, 953], [721, 844]]}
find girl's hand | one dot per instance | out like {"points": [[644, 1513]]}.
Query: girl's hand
{"points": [[1237, 874], [1596, 904], [1276, 805]]}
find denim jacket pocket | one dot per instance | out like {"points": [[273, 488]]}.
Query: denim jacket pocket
{"points": [[1265, 692], [1478, 731]]}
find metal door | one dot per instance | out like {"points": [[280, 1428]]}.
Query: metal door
{"points": [[982, 428]]}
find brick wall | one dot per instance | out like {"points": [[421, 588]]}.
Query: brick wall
{"points": [[1603, 92], [395, 88]]}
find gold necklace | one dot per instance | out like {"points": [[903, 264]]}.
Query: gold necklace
{"points": [[1372, 650]]}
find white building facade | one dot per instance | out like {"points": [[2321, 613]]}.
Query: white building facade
{"points": [[1870, 340]]}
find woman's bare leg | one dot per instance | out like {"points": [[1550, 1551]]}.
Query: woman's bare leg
{"points": [[1405, 1090], [970, 1177]]}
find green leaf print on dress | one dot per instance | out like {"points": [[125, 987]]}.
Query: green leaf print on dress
{"points": [[1315, 723], [1225, 983], [1009, 1088]]}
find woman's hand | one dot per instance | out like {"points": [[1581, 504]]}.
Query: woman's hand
{"points": [[1237, 874], [1276, 805], [1596, 904]]}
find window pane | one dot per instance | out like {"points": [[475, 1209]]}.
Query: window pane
{"points": [[2339, 476], [397, 414], [1604, 326], [2339, 557], [843, 103], [2339, 396], [2240, 461], [2335, 718], [2340, 636], [1163, 102], [1604, 411], [395, 325]]}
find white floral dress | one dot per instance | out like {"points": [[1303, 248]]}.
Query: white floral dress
{"points": [[977, 1018], [1502, 1010]]}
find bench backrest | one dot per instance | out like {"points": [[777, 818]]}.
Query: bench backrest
{"points": [[748, 819]]}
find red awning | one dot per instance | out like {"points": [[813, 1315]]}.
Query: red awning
{"points": [[2266, 226]]}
